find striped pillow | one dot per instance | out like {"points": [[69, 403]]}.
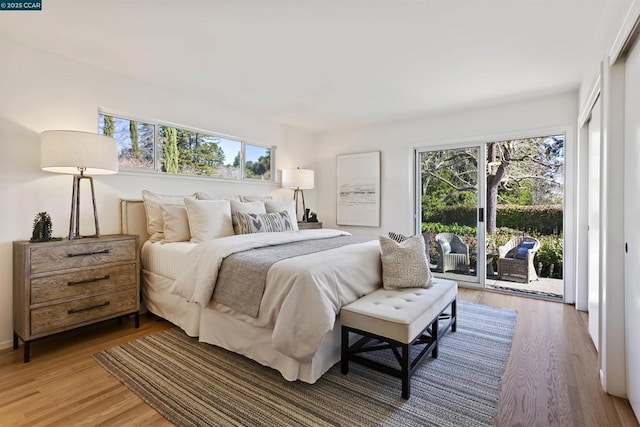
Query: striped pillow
{"points": [[248, 223], [397, 237]]}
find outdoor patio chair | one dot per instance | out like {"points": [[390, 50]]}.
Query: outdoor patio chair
{"points": [[515, 259], [453, 253]]}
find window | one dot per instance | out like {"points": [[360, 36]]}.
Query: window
{"points": [[160, 148], [135, 140], [257, 163]]}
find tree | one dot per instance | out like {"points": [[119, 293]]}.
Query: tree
{"points": [[199, 154], [449, 177], [109, 126], [259, 169], [524, 171], [133, 132], [495, 173], [170, 149], [524, 165]]}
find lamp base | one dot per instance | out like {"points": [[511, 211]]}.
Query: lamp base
{"points": [[304, 208], [74, 223]]}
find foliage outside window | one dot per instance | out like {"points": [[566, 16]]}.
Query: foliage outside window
{"points": [[135, 140], [257, 162], [160, 148], [524, 195]]}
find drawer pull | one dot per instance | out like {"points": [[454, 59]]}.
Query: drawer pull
{"points": [[80, 310], [105, 251], [95, 279]]}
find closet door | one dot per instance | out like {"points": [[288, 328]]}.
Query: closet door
{"points": [[593, 236], [632, 225]]}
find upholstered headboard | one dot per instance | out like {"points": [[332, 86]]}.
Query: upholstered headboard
{"points": [[133, 219]]}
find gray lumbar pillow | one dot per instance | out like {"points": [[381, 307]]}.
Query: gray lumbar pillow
{"points": [[405, 264]]}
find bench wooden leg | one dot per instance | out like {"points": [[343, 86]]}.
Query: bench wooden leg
{"points": [[344, 350], [406, 373], [434, 337], [454, 315], [15, 341]]}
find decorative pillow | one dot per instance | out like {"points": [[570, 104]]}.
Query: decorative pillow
{"points": [[255, 198], [176, 223], [445, 245], [284, 205], [262, 223], [209, 219], [200, 195], [256, 207], [397, 237], [523, 249], [404, 265], [152, 201]]}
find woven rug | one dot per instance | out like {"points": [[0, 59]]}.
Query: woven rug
{"points": [[196, 384]]}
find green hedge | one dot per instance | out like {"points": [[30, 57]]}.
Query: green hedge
{"points": [[542, 219]]}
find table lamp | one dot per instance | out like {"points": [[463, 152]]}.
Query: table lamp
{"points": [[298, 180], [78, 153]]}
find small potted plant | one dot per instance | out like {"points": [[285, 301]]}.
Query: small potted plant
{"points": [[41, 228]]}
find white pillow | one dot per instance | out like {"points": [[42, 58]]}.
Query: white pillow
{"points": [[255, 198], [256, 207], [152, 201], [284, 205], [200, 195], [209, 219], [176, 223], [404, 265]]}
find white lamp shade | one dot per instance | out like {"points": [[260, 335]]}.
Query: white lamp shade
{"points": [[298, 178], [67, 151]]}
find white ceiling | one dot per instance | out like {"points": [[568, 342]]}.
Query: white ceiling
{"points": [[324, 65]]}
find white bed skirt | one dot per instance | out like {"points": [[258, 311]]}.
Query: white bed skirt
{"points": [[220, 329], [224, 331], [177, 310]]}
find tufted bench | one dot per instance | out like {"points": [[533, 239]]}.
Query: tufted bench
{"points": [[392, 319]]}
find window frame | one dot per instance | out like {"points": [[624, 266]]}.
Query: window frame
{"points": [[156, 144]]}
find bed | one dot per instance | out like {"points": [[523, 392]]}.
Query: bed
{"points": [[296, 330]]}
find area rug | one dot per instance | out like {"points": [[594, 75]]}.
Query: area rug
{"points": [[196, 384]]}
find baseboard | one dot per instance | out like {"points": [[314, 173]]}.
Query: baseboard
{"points": [[6, 344]]}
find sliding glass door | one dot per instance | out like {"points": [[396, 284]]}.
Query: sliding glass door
{"points": [[450, 212], [493, 213]]}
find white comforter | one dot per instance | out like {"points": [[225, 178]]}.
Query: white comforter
{"points": [[302, 296]]}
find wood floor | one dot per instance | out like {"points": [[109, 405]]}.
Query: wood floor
{"points": [[550, 379]]}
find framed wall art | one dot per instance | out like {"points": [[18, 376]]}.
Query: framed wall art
{"points": [[358, 192]]}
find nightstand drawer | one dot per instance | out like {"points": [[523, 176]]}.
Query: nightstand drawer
{"points": [[309, 225], [45, 259], [86, 282], [60, 316]]}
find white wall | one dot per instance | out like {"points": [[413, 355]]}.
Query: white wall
{"points": [[40, 91], [396, 142], [612, 16]]}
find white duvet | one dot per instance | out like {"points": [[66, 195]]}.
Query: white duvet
{"points": [[303, 294]]}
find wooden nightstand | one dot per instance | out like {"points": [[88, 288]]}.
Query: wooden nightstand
{"points": [[309, 225], [58, 286]]}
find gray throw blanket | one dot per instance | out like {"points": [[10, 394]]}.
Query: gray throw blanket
{"points": [[243, 275]]}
